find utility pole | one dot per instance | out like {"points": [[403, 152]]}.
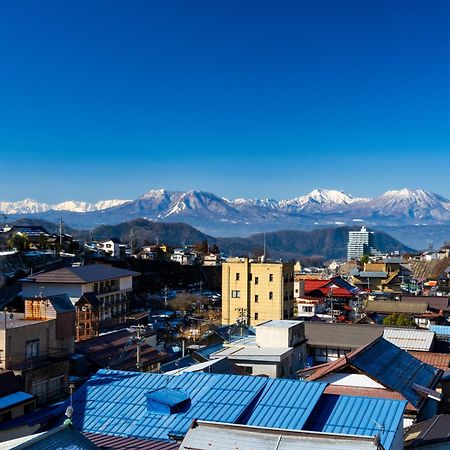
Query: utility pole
{"points": [[60, 221], [165, 290], [138, 338]]}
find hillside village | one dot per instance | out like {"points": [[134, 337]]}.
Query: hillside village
{"points": [[123, 343]]}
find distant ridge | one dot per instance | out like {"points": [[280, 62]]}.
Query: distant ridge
{"points": [[324, 243], [215, 215]]}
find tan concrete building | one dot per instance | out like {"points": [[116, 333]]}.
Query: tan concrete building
{"points": [[255, 292], [36, 346]]}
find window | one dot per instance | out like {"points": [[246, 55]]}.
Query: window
{"points": [[271, 277], [256, 280], [238, 276], [256, 316], [235, 294], [256, 298], [32, 349], [248, 369], [270, 295], [308, 309]]}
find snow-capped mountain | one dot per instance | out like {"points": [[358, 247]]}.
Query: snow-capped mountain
{"points": [[162, 204], [322, 199], [208, 211], [411, 204], [29, 206]]}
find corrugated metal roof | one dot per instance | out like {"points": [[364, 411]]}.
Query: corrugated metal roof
{"points": [[61, 303], [341, 335], [114, 402], [439, 360], [126, 443], [360, 416], [14, 399], [441, 330], [390, 366], [388, 306], [395, 369], [410, 339], [63, 437], [9, 383], [216, 436], [285, 404]]}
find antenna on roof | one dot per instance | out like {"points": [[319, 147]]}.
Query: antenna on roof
{"points": [[377, 437]]}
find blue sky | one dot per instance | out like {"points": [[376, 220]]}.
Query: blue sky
{"points": [[109, 99]]}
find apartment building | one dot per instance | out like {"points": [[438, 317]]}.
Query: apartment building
{"points": [[99, 293], [36, 346], [255, 292], [360, 243]]}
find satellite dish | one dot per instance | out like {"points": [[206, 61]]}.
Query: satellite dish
{"points": [[69, 412]]}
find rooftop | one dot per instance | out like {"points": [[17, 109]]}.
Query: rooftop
{"points": [[347, 336], [410, 338], [278, 324], [114, 403], [428, 432], [388, 306], [219, 436], [17, 320], [83, 274], [389, 366]]}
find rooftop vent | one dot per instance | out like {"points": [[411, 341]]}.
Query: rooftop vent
{"points": [[167, 401]]}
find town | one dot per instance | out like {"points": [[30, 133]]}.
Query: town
{"points": [[119, 345]]}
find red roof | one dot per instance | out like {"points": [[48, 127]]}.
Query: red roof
{"points": [[125, 443], [325, 287], [438, 360]]}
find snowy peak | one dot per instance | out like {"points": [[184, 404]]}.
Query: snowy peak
{"points": [[413, 204], [29, 206]]}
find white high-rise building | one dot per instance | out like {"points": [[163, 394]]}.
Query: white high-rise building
{"points": [[360, 243]]}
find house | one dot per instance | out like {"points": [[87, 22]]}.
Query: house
{"points": [[13, 401], [432, 434], [329, 341], [212, 259], [99, 292], [184, 257], [277, 350], [157, 406], [255, 292], [111, 247], [36, 346], [340, 298], [435, 303], [380, 369], [117, 350], [422, 315], [388, 275]]}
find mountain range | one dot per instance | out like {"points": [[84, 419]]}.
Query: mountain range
{"points": [[216, 215], [309, 246]]}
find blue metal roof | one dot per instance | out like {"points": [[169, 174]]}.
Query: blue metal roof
{"points": [[207, 351], [395, 369], [15, 398], [441, 330], [285, 404], [166, 396], [114, 403], [361, 416]]}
